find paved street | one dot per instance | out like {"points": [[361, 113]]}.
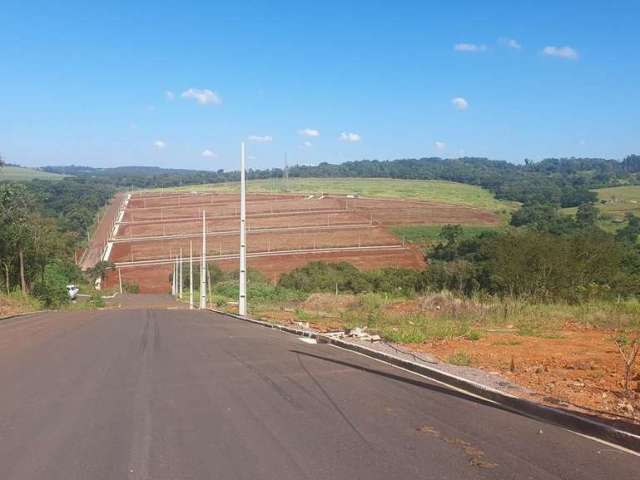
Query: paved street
{"points": [[174, 394]]}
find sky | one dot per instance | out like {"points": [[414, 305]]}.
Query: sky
{"points": [[181, 84]]}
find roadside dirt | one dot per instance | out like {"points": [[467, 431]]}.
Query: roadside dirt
{"points": [[581, 367], [577, 368]]}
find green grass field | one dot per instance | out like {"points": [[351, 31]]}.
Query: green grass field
{"points": [[21, 174], [614, 203], [618, 201], [432, 190]]}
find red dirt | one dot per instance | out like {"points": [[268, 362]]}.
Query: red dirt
{"points": [[155, 278], [582, 367], [340, 222], [102, 233], [256, 242]]}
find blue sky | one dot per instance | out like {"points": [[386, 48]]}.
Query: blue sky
{"points": [[180, 84]]}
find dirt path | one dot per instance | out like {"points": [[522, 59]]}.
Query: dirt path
{"points": [[101, 235]]}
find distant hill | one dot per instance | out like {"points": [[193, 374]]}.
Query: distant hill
{"points": [[565, 182], [19, 174]]}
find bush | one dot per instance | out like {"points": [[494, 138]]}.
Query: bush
{"points": [[327, 277], [51, 288], [96, 300], [130, 287]]}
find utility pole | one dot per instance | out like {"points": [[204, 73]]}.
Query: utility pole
{"points": [[203, 265], [191, 275], [180, 276], [242, 301], [173, 280]]}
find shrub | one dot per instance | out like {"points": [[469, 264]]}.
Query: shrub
{"points": [[130, 287], [51, 288], [96, 300]]}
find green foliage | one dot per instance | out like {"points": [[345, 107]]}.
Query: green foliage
{"points": [[51, 288], [428, 234], [130, 287], [344, 277], [587, 215], [450, 234], [629, 233], [96, 300], [100, 269], [586, 264]]}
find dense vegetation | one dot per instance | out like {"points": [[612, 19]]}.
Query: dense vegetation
{"points": [[41, 225], [548, 259]]}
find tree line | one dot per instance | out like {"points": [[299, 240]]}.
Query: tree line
{"points": [[565, 182]]}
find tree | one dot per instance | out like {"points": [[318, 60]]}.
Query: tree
{"points": [[51, 288], [99, 271], [587, 215], [16, 208], [629, 233], [2, 162], [450, 234]]}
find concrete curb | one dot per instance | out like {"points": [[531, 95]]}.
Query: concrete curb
{"points": [[545, 413], [25, 314]]}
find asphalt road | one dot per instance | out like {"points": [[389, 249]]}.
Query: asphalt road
{"points": [[173, 394]]}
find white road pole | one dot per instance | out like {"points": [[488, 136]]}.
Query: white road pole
{"points": [[242, 301], [203, 266], [173, 280], [191, 275], [180, 276]]}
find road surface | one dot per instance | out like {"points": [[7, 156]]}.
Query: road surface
{"points": [[173, 394]]}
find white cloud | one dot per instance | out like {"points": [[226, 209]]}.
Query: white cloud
{"points": [[307, 144], [567, 53], [469, 47], [440, 146], [260, 138], [309, 132], [460, 103], [209, 154], [160, 144], [350, 137], [203, 97], [170, 95], [510, 43]]}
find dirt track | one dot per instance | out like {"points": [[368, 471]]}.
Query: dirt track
{"points": [[102, 233]]}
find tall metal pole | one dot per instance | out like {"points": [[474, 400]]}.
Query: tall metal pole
{"points": [[180, 276], [203, 266], [242, 301], [191, 275]]}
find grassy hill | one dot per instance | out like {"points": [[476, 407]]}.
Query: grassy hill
{"points": [[614, 203], [20, 174], [430, 190], [618, 201]]}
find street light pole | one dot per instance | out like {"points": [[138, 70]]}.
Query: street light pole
{"points": [[191, 275], [180, 276], [203, 266], [242, 301]]}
